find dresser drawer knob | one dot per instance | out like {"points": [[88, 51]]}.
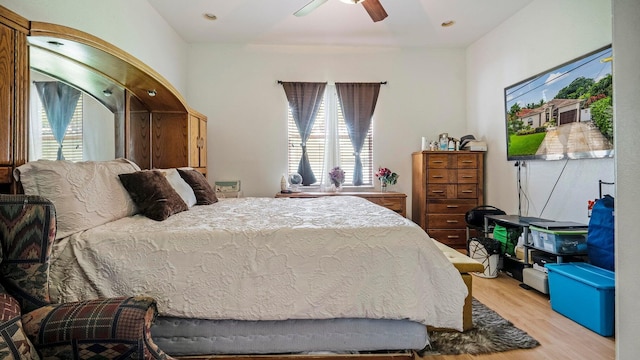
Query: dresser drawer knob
{"points": [[452, 221], [437, 191], [467, 191], [437, 176], [452, 206], [453, 236]]}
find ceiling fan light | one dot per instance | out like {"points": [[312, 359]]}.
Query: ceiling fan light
{"points": [[352, 2]]}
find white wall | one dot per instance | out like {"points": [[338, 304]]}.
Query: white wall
{"points": [[521, 47], [133, 26], [236, 87], [626, 74], [492, 66]]}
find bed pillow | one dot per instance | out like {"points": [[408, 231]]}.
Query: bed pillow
{"points": [[201, 188], [153, 194], [85, 194], [180, 186]]}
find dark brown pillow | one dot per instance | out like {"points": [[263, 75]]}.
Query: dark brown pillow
{"points": [[153, 194], [204, 193]]}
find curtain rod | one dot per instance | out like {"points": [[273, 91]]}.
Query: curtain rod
{"points": [[381, 82]]}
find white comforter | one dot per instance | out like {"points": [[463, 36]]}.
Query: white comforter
{"points": [[267, 259]]}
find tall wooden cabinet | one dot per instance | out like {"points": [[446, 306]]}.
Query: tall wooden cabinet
{"points": [[178, 140], [198, 141], [446, 184]]}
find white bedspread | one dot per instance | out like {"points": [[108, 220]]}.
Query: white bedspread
{"points": [[267, 259]]}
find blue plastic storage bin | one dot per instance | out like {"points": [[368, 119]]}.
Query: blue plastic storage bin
{"points": [[585, 294]]}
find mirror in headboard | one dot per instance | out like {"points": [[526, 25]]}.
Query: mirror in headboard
{"points": [[89, 133], [147, 119]]}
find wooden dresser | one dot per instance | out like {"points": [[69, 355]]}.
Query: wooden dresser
{"points": [[446, 184], [391, 200]]}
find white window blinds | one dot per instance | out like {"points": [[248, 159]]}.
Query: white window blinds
{"points": [[318, 140], [72, 143]]}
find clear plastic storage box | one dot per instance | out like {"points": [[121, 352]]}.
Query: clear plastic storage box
{"points": [[560, 241]]}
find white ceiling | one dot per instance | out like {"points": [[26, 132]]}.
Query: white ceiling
{"points": [[410, 22]]}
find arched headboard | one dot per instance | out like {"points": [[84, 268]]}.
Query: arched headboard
{"points": [[154, 126]]}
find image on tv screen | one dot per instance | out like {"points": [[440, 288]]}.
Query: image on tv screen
{"points": [[563, 113]]}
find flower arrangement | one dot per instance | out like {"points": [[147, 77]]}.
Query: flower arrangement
{"points": [[386, 176], [337, 176]]}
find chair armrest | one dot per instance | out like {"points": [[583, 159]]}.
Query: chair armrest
{"points": [[27, 230], [14, 343], [112, 328]]}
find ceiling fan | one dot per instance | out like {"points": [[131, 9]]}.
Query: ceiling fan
{"points": [[373, 7]]}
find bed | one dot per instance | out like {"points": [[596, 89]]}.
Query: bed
{"points": [[250, 275]]}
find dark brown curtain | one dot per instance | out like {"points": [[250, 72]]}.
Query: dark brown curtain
{"points": [[304, 100], [358, 101]]}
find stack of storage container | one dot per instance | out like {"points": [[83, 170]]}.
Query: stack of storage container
{"points": [[580, 291]]}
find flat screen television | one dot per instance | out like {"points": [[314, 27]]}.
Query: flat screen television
{"points": [[563, 113]]}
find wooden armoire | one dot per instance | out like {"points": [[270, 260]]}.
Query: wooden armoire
{"points": [[445, 185]]}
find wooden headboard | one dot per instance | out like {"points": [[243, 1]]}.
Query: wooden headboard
{"points": [[154, 126]]}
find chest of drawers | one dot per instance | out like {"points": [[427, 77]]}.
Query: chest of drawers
{"points": [[445, 186]]}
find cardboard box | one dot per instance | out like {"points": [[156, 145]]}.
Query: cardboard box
{"points": [[520, 254], [585, 294]]}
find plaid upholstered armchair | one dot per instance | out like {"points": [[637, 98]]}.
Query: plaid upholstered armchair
{"points": [[31, 327]]}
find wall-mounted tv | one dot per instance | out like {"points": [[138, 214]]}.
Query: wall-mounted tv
{"points": [[563, 113]]}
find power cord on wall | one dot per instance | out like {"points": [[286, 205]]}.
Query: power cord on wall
{"points": [[519, 164], [521, 191], [527, 202], [554, 186]]}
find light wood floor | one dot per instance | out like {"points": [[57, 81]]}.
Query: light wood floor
{"points": [[529, 310]]}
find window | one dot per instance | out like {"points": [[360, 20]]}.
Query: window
{"points": [[72, 143], [318, 141]]}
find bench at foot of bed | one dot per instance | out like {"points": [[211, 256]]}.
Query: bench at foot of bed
{"points": [[465, 266]]}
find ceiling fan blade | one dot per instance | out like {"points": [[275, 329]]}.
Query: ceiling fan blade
{"points": [[375, 10], [309, 7]]}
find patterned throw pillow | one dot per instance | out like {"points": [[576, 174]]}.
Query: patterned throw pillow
{"points": [[153, 194], [204, 192], [14, 343]]}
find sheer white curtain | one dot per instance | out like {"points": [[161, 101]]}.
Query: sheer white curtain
{"points": [[35, 125], [59, 101], [332, 144]]}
